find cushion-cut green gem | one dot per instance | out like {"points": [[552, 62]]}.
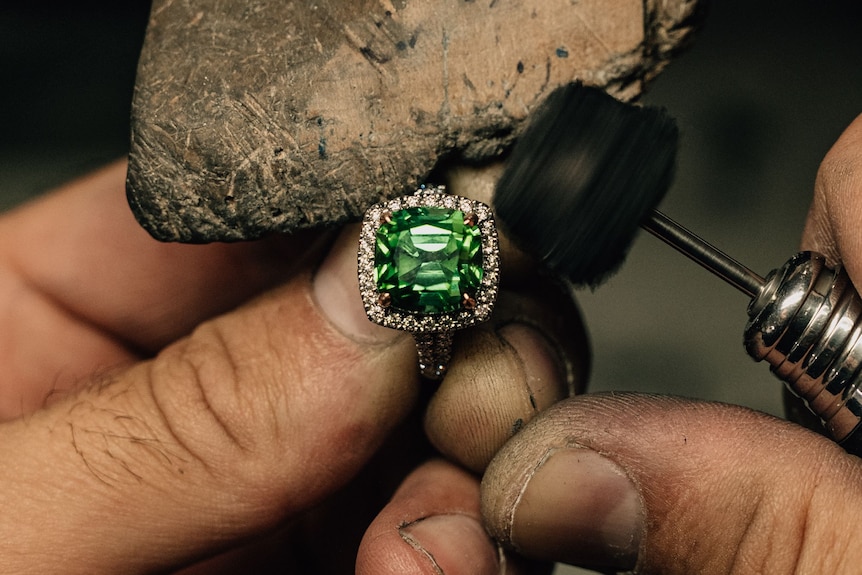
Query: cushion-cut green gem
{"points": [[427, 259]]}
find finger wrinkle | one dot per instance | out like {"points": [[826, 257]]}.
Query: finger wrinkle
{"points": [[541, 363], [510, 515], [435, 512], [410, 540], [499, 381], [476, 407], [168, 381], [454, 543]]}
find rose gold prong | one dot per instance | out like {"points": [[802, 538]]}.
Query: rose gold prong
{"points": [[384, 299], [386, 218], [468, 301], [471, 219]]}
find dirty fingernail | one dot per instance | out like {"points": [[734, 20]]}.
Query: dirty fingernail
{"points": [[581, 508], [336, 290], [453, 544], [543, 371]]}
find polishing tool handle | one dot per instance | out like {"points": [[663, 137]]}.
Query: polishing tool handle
{"points": [[804, 320], [807, 324], [704, 253]]}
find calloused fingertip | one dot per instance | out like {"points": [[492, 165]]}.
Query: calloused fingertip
{"points": [[481, 403], [545, 371], [453, 544], [531, 354], [431, 525]]}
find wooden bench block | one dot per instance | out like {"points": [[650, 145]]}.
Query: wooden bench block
{"points": [[252, 117]]}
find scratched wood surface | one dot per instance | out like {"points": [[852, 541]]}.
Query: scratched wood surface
{"points": [[260, 116]]}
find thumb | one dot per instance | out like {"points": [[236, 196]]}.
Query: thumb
{"points": [[256, 416], [666, 485]]}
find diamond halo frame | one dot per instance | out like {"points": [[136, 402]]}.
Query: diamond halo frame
{"points": [[482, 302]]}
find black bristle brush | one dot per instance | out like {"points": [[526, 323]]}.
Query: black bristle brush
{"points": [[589, 170], [585, 174]]}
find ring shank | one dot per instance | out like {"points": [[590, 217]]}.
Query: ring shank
{"points": [[435, 353]]}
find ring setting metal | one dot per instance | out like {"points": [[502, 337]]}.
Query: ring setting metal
{"points": [[429, 264]]}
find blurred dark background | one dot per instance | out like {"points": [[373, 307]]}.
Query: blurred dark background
{"points": [[66, 75], [765, 90]]}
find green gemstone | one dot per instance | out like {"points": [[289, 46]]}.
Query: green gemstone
{"points": [[427, 258]]}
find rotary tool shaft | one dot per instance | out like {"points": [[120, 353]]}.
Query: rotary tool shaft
{"points": [[804, 320], [704, 253]]}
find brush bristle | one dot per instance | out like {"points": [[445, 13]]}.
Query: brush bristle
{"points": [[585, 174]]}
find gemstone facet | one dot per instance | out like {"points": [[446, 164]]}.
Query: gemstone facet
{"points": [[428, 262], [427, 259]]}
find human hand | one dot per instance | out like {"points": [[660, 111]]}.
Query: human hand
{"points": [[164, 403], [665, 485]]}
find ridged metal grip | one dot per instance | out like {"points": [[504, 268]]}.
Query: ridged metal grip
{"points": [[803, 319], [805, 322]]}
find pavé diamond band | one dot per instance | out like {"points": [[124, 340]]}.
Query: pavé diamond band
{"points": [[429, 264]]}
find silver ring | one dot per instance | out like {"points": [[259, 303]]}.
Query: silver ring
{"points": [[429, 264]]}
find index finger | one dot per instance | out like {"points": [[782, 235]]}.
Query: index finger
{"points": [[82, 248]]}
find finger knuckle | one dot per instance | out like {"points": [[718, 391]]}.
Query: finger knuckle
{"points": [[205, 390]]}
